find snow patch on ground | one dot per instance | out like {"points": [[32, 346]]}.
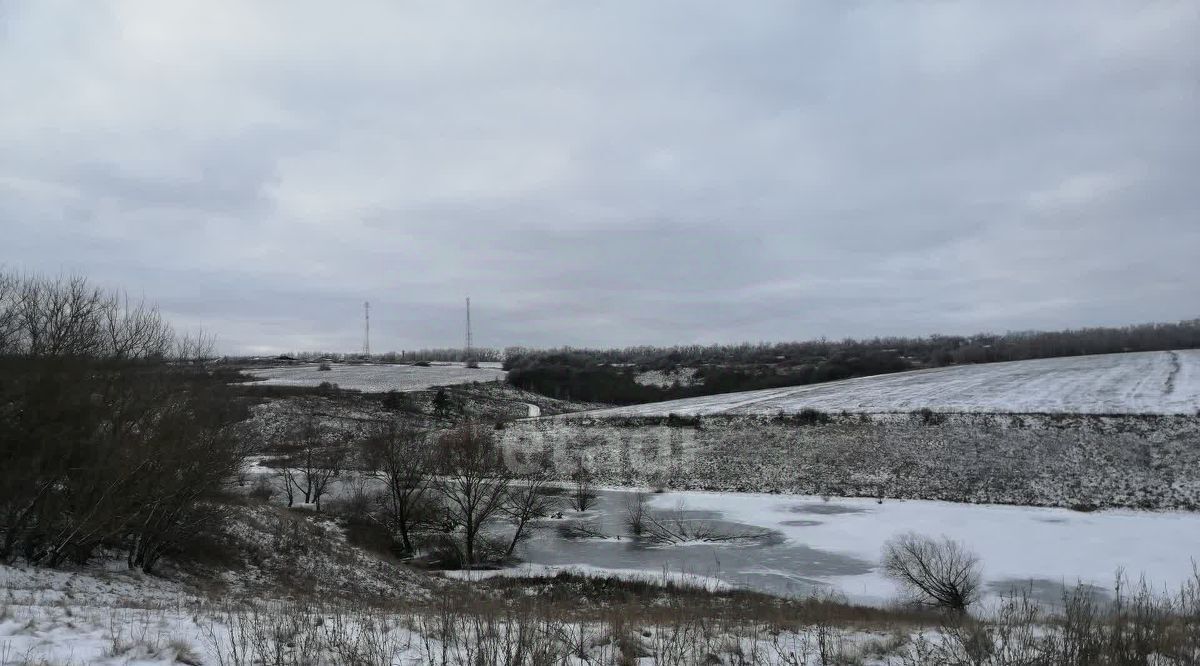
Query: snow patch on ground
{"points": [[668, 378]]}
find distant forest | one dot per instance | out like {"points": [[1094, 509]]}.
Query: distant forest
{"points": [[609, 375]]}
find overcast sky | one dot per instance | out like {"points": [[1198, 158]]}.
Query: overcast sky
{"points": [[607, 173]]}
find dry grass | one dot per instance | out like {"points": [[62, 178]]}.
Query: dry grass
{"points": [[463, 627]]}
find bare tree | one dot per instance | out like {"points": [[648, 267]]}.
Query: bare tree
{"points": [[582, 494], [9, 295], [936, 572], [472, 486], [59, 317], [401, 457], [315, 462], [528, 501], [133, 331], [636, 511], [198, 346], [67, 317], [329, 465], [286, 479]]}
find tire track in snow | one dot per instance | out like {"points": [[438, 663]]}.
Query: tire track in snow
{"points": [[1175, 368]]}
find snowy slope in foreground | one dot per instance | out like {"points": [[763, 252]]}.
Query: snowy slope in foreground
{"points": [[1135, 383]]}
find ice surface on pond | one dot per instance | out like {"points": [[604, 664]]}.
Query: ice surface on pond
{"points": [[836, 545], [1134, 383], [379, 378]]}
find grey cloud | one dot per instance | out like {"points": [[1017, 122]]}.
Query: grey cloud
{"points": [[615, 173]]}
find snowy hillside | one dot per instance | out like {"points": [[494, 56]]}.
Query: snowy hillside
{"points": [[1135, 383]]}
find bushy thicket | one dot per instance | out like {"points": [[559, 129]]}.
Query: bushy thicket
{"points": [[580, 375], [1139, 625], [608, 375], [102, 442]]}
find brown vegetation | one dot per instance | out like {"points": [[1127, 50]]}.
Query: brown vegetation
{"points": [[102, 443]]}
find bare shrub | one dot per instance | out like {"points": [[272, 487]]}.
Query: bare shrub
{"points": [[1138, 627], [580, 529], [110, 453], [198, 346], [262, 489], [926, 416], [810, 416], [395, 401], [935, 572], [675, 527]]}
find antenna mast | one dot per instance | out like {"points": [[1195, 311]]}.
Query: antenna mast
{"points": [[469, 341], [367, 329]]}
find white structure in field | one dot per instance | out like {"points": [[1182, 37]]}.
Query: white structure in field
{"points": [[366, 329]]}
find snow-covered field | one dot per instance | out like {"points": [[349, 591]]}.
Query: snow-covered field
{"points": [[379, 378], [1134, 383]]}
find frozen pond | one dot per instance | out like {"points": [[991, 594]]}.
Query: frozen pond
{"points": [[380, 377], [791, 544]]}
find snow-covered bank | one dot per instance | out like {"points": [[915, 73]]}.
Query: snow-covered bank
{"points": [[454, 632], [530, 570], [1067, 460]]}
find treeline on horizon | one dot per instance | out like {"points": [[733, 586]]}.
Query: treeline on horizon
{"points": [[609, 375]]}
